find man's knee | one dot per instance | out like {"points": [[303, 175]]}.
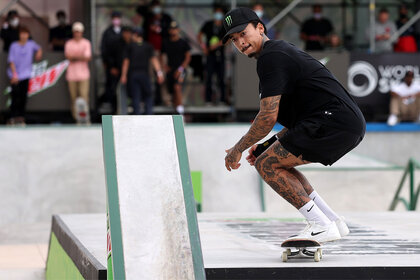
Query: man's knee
{"points": [[267, 165], [259, 163]]}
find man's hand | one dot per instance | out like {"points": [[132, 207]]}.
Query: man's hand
{"points": [[251, 158], [14, 80], [232, 159]]}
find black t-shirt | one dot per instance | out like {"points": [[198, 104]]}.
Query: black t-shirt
{"points": [[139, 55], [213, 33], [308, 89], [60, 32], [9, 35], [175, 50], [321, 27]]}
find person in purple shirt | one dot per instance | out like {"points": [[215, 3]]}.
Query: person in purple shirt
{"points": [[21, 55]]}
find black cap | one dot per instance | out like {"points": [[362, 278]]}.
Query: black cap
{"points": [[138, 31], [115, 14], [237, 20]]}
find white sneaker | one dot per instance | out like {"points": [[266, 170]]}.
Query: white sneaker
{"points": [[319, 233], [392, 120], [342, 227]]}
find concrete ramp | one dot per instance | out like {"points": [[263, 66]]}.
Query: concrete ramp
{"points": [[153, 231]]}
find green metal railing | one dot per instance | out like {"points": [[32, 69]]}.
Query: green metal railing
{"points": [[414, 193]]}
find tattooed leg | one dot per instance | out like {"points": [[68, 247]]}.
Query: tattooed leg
{"points": [[302, 179], [276, 166]]}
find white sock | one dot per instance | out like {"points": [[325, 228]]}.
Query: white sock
{"points": [[324, 206], [180, 109], [312, 213]]}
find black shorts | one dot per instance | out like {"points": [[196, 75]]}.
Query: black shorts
{"points": [[321, 139], [171, 81]]}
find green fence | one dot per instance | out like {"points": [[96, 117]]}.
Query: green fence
{"points": [[413, 192]]}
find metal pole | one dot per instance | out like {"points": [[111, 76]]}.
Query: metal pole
{"points": [[403, 28], [232, 4], [281, 15], [372, 25]]}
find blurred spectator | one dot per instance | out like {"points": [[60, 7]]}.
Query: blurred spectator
{"points": [[384, 28], [78, 51], [135, 72], [315, 30], [155, 26], [259, 10], [61, 33], [20, 59], [126, 34], [213, 48], [405, 100], [111, 50], [10, 29], [334, 43], [178, 57], [407, 40]]}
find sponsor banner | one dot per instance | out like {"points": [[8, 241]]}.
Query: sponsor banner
{"points": [[44, 78], [370, 77]]}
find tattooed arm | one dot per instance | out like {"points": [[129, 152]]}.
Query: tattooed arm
{"points": [[262, 125]]}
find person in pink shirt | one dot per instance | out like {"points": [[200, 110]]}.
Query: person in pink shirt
{"points": [[79, 52]]}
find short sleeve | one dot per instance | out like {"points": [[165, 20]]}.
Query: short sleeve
{"points": [[151, 51], [305, 27], [11, 57], [35, 46], [88, 50], [204, 27], [278, 74], [186, 46], [126, 51]]}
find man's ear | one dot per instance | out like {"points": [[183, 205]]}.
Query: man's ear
{"points": [[260, 28]]}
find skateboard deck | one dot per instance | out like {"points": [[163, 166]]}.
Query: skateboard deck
{"points": [[301, 248]]}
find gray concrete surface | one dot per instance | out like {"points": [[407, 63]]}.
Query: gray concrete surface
{"points": [[242, 240]]}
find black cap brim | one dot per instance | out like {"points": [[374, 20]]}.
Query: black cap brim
{"points": [[236, 29]]}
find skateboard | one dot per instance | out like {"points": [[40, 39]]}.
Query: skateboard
{"points": [[302, 248], [82, 111]]}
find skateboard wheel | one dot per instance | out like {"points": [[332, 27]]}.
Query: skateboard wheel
{"points": [[317, 256], [284, 256], [320, 252], [289, 252]]}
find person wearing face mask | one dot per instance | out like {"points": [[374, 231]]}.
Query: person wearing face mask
{"points": [[407, 40], [61, 33], [156, 24], [178, 57], [259, 10], [384, 29], [315, 30], [111, 52], [156, 30], [213, 49], [10, 30], [78, 51]]}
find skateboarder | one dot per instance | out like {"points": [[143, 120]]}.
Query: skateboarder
{"points": [[321, 122]]}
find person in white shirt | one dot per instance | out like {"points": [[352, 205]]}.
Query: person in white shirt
{"points": [[405, 100]]}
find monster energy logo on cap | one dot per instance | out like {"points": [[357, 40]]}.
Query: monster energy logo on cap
{"points": [[237, 20], [228, 20]]}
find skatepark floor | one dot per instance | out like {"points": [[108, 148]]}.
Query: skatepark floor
{"points": [[239, 240]]}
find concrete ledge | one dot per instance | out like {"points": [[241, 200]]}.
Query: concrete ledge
{"points": [[87, 264]]}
